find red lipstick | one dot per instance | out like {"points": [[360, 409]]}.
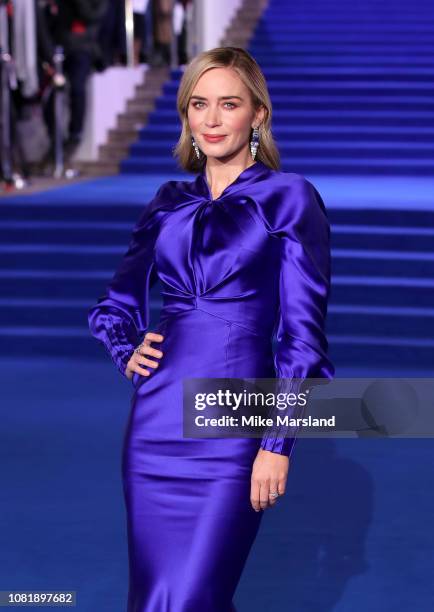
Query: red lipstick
{"points": [[213, 138]]}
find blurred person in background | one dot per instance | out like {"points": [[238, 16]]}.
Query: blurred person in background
{"points": [[74, 25], [181, 8], [77, 30], [22, 79], [140, 34], [46, 19], [163, 15], [169, 15], [112, 34]]}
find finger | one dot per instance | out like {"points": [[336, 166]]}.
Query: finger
{"points": [[254, 495], [274, 488], [282, 484], [140, 370], [263, 493], [148, 362], [153, 337], [146, 349], [149, 350]]}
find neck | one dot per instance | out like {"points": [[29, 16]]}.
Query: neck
{"points": [[221, 175]]}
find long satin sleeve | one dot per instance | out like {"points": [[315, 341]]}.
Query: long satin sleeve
{"points": [[301, 223], [121, 316]]}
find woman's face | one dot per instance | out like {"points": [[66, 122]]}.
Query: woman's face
{"points": [[220, 105]]}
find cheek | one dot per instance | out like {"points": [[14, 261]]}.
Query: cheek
{"points": [[193, 120], [239, 126]]}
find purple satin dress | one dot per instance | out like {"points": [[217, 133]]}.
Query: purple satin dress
{"points": [[234, 271]]}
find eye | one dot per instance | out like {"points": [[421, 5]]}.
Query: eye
{"points": [[195, 104]]}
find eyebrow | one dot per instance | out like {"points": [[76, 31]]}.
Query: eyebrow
{"points": [[220, 97]]}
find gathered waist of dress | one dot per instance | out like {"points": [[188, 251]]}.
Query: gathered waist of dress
{"points": [[243, 316]]}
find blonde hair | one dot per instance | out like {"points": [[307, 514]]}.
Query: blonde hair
{"points": [[253, 78]]}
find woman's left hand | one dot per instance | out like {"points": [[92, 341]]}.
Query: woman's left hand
{"points": [[269, 474]]}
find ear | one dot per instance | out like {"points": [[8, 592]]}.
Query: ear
{"points": [[259, 116]]}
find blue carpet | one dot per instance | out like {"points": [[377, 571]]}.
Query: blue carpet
{"points": [[352, 88], [354, 514], [353, 192]]}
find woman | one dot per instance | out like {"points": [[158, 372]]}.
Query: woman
{"points": [[241, 251]]}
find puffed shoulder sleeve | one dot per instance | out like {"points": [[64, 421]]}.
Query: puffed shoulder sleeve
{"points": [[298, 218], [120, 317]]}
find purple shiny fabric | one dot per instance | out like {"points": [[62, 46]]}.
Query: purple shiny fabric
{"points": [[234, 271]]}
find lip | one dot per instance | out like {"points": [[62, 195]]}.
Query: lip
{"points": [[214, 138]]}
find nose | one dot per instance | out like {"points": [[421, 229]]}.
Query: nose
{"points": [[212, 116]]}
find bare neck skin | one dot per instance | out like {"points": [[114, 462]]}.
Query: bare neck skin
{"points": [[220, 175]]}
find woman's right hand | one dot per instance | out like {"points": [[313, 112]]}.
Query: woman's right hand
{"points": [[137, 358]]}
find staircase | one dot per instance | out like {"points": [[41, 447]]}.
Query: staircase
{"points": [[139, 109], [57, 259], [128, 126], [352, 86], [334, 107], [381, 308]]}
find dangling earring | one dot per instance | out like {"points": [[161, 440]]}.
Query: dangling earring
{"points": [[254, 143], [196, 148]]}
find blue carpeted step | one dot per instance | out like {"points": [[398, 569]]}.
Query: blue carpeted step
{"points": [[350, 27], [286, 17], [344, 349], [26, 212], [382, 238], [368, 321], [398, 322], [401, 61], [359, 150], [109, 234], [55, 311], [377, 353], [407, 218], [383, 263], [61, 257], [65, 232], [306, 165], [349, 36], [398, 45], [382, 291], [344, 261], [79, 284]]}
